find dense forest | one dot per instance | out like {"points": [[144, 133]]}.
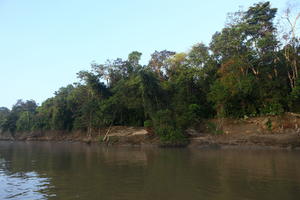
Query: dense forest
{"points": [[250, 68]]}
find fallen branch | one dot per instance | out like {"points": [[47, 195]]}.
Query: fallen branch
{"points": [[107, 132]]}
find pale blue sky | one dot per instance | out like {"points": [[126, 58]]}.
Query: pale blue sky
{"points": [[44, 43]]}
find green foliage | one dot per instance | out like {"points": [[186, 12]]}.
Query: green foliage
{"points": [[269, 124], [4, 113], [294, 98], [21, 117], [272, 108], [148, 123], [166, 127], [214, 129], [233, 96], [243, 72], [25, 121]]}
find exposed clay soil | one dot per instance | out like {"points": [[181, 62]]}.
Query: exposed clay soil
{"points": [[269, 131], [112, 135]]}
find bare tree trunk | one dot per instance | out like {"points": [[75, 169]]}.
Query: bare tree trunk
{"points": [[292, 59], [107, 132], [291, 80]]}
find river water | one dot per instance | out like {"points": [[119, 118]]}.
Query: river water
{"points": [[65, 171]]}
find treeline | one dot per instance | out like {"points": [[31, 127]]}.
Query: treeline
{"points": [[248, 69]]}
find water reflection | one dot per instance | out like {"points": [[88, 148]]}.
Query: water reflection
{"points": [[77, 171]]}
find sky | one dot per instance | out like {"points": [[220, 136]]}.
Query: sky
{"points": [[44, 43]]}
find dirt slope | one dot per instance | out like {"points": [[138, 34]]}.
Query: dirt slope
{"points": [[270, 131]]}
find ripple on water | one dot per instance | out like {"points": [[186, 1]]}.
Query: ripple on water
{"points": [[22, 186]]}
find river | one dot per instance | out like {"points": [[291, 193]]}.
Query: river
{"points": [[45, 170]]}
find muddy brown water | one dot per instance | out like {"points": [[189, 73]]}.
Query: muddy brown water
{"points": [[43, 170]]}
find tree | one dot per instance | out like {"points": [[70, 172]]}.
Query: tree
{"points": [[291, 49], [20, 117], [246, 52], [4, 113], [96, 91], [158, 62], [244, 71]]}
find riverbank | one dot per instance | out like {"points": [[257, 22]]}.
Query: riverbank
{"points": [[113, 135], [281, 131], [270, 131]]}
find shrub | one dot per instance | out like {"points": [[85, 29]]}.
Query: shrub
{"points": [[165, 127], [148, 123], [214, 129], [272, 108], [269, 124]]}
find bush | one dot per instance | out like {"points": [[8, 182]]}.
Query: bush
{"points": [[294, 98], [272, 108], [165, 127], [148, 123], [214, 129], [269, 125]]}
